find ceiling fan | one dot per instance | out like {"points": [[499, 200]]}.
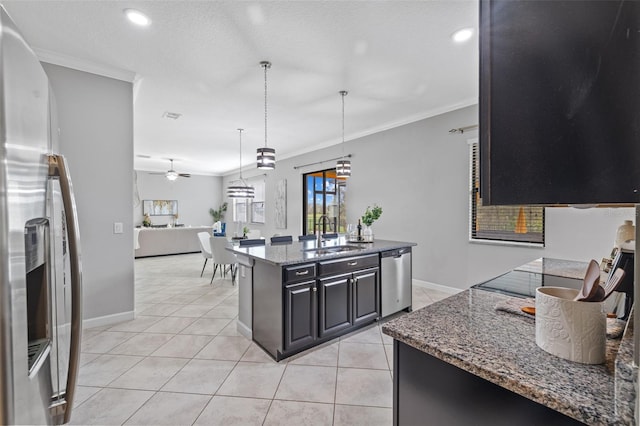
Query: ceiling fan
{"points": [[172, 174]]}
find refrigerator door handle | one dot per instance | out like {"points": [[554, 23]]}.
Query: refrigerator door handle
{"points": [[58, 168]]}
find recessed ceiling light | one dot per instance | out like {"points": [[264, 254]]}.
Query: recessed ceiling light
{"points": [[462, 35], [137, 17]]}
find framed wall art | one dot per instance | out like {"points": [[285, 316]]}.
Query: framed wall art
{"points": [[257, 212], [281, 204], [160, 207]]}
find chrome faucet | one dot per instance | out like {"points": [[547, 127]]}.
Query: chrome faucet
{"points": [[319, 232]]}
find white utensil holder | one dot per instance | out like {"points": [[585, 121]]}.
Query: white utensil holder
{"points": [[569, 329]]}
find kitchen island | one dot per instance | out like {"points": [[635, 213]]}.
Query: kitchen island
{"points": [[293, 296], [461, 361]]}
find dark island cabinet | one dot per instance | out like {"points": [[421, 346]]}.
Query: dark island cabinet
{"points": [[304, 295], [343, 296], [359, 278], [335, 305], [300, 314], [366, 296]]}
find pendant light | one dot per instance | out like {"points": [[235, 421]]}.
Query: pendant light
{"points": [[266, 156], [343, 167], [241, 190]]}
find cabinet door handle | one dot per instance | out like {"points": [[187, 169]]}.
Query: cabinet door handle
{"points": [[352, 263], [299, 273]]}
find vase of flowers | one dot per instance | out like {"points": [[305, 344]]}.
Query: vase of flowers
{"points": [[146, 221], [370, 215]]}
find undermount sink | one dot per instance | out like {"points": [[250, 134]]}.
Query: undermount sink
{"points": [[331, 250]]}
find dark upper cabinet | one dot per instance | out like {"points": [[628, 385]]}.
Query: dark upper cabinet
{"points": [[559, 102]]}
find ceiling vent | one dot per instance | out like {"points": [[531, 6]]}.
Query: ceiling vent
{"points": [[171, 115]]}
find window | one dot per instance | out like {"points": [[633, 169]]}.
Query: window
{"points": [[240, 209], [250, 210], [257, 203], [324, 194], [522, 224]]}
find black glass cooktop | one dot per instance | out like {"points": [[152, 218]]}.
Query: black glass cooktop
{"points": [[524, 284]]}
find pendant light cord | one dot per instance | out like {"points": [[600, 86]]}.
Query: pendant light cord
{"points": [[240, 130], [343, 93], [343, 167], [265, 65]]}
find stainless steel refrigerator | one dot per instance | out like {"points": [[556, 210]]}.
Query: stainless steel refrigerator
{"points": [[40, 271]]}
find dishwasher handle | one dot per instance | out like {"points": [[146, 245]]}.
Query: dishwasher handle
{"points": [[396, 252]]}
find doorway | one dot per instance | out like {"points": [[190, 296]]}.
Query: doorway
{"points": [[324, 194]]}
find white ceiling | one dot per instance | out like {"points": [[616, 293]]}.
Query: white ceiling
{"points": [[201, 59]]}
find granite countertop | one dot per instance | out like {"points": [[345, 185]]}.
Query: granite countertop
{"points": [[465, 330], [282, 254]]}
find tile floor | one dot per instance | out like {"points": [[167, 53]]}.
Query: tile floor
{"points": [[182, 362]]}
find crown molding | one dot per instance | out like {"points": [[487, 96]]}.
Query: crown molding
{"points": [[56, 58], [383, 127], [386, 126]]}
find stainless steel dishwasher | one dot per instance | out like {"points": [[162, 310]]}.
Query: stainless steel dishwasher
{"points": [[395, 286]]}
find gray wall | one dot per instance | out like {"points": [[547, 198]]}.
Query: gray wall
{"points": [[419, 175], [195, 195], [96, 122]]}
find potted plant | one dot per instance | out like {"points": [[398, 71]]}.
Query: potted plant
{"points": [[370, 215], [218, 214], [146, 222], [245, 231]]}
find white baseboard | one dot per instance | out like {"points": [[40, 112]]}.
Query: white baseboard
{"points": [[244, 330], [438, 287], [108, 319]]}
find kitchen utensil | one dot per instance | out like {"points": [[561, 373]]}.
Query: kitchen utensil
{"points": [[529, 310], [590, 283], [612, 283], [598, 295]]}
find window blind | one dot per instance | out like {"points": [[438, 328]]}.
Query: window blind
{"points": [[523, 224]]}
